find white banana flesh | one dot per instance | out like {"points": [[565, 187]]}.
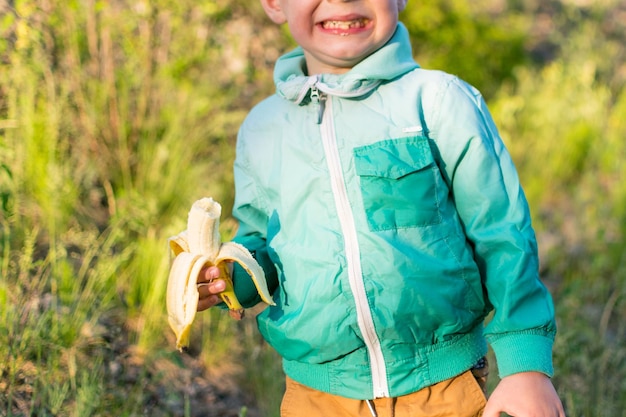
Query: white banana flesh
{"points": [[199, 246]]}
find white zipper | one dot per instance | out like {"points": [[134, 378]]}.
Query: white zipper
{"points": [[353, 257]]}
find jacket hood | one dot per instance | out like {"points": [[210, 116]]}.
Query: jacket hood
{"points": [[391, 61]]}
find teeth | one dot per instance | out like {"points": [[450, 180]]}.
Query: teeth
{"points": [[344, 24]]}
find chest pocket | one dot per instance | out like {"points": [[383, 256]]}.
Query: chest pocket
{"points": [[400, 183]]}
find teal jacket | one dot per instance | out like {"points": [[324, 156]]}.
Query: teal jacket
{"points": [[390, 221]]}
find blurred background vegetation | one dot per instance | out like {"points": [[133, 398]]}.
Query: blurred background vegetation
{"points": [[116, 115]]}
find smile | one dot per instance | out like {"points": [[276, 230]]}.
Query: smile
{"points": [[345, 24]]}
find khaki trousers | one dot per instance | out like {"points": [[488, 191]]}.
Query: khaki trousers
{"points": [[461, 396]]}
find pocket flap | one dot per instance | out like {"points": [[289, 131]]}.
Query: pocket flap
{"points": [[393, 158]]}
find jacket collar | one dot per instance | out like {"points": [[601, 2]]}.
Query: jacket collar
{"points": [[389, 62]]}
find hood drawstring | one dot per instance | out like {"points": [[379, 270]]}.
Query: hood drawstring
{"points": [[370, 405]]}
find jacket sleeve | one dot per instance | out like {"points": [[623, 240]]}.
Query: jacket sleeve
{"points": [[496, 218], [251, 232]]}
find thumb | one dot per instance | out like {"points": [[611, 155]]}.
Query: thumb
{"points": [[492, 409]]}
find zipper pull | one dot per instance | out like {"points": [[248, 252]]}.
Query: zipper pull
{"points": [[319, 99]]}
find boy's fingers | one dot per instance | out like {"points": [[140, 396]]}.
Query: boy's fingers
{"points": [[217, 286], [486, 412], [213, 272], [207, 302], [492, 409], [207, 274], [203, 276], [209, 286], [206, 289]]}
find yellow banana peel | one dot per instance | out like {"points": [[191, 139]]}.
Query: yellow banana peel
{"points": [[199, 246]]}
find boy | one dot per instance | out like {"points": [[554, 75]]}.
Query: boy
{"points": [[390, 221]]}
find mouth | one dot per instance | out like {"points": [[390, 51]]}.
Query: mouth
{"points": [[345, 24]]}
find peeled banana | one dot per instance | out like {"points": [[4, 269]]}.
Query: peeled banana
{"points": [[199, 246]]}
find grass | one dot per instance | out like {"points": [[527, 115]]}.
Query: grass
{"points": [[114, 119], [564, 126]]}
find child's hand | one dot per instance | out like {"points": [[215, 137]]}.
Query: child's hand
{"points": [[209, 293], [523, 395]]}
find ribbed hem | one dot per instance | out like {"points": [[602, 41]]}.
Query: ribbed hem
{"points": [[409, 367], [523, 352], [453, 358]]}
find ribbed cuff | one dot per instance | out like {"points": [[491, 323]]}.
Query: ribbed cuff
{"points": [[517, 353]]}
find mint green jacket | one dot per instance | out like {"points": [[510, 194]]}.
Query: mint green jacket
{"points": [[390, 221]]}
